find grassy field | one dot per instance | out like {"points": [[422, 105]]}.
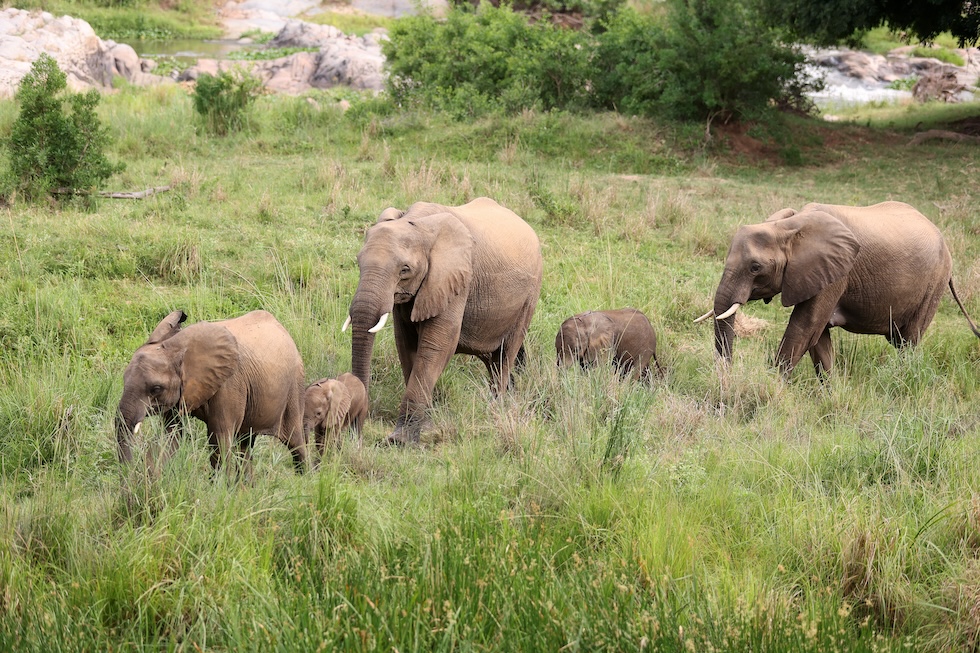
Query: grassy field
{"points": [[719, 509]]}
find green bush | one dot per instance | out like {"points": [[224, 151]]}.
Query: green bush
{"points": [[490, 59], [708, 58], [51, 149], [223, 100]]}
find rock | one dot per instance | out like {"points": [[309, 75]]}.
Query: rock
{"points": [[87, 61], [342, 60]]}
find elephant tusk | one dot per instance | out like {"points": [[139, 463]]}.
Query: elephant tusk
{"points": [[136, 429], [346, 324], [729, 312], [377, 327], [704, 317]]}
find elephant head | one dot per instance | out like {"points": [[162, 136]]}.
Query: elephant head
{"points": [[175, 371], [585, 338], [795, 254], [423, 262], [327, 404]]}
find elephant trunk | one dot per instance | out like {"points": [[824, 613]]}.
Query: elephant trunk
{"points": [[726, 303], [372, 302], [129, 417]]}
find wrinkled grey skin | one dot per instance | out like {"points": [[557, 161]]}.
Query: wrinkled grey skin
{"points": [[331, 405], [624, 336], [878, 269], [241, 377], [455, 279]]}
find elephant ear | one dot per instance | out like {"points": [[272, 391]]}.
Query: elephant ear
{"points": [[390, 213], [821, 251], [450, 264], [599, 339], [211, 356], [168, 327], [781, 214], [340, 401]]}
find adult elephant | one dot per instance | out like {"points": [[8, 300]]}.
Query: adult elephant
{"points": [[878, 269], [454, 279], [241, 377]]}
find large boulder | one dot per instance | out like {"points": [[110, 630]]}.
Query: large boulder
{"points": [[87, 61], [341, 60]]}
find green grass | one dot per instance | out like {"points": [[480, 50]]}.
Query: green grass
{"points": [[720, 509], [882, 40], [351, 22], [130, 20]]}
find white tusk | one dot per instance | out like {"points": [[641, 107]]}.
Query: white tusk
{"points": [[136, 429], [377, 327], [704, 317], [346, 324], [729, 312]]}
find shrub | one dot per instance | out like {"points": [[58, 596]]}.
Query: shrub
{"points": [[708, 58], [484, 60], [51, 149], [223, 100]]}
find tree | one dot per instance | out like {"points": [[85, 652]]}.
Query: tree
{"points": [[51, 149], [831, 21]]}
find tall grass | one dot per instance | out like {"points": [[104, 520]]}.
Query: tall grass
{"points": [[716, 508]]}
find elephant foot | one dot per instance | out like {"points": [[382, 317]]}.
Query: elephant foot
{"points": [[408, 431]]}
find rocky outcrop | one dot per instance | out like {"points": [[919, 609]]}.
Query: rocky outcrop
{"points": [[341, 60], [874, 74], [87, 60]]}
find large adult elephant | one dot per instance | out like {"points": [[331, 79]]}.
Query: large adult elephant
{"points": [[454, 279], [878, 269], [241, 377]]}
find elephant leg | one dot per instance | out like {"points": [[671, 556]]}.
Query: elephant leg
{"points": [[406, 342], [822, 354], [806, 327], [437, 344], [292, 434], [158, 455]]}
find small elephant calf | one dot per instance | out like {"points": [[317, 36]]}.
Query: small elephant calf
{"points": [[332, 404], [625, 335]]}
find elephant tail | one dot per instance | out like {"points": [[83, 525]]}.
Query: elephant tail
{"points": [[973, 326]]}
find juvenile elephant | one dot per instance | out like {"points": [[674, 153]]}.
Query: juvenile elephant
{"points": [[878, 269], [624, 335], [455, 279], [332, 404], [241, 377]]}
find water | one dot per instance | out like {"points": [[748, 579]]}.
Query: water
{"points": [[188, 50]]}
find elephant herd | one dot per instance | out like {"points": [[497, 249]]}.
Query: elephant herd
{"points": [[466, 280]]}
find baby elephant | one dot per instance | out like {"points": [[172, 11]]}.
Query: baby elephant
{"points": [[332, 404], [625, 335]]}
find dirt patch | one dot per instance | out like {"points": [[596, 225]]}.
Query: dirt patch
{"points": [[969, 126]]}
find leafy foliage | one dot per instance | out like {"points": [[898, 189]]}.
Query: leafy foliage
{"points": [[491, 58], [828, 23], [709, 58], [51, 148], [223, 100], [706, 58]]}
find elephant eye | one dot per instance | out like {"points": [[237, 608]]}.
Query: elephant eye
{"points": [[405, 271], [156, 389], [756, 268]]}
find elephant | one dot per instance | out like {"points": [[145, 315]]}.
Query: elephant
{"points": [[332, 404], [454, 279], [241, 377], [624, 335], [878, 269]]}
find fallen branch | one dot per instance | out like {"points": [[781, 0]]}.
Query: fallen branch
{"points": [[941, 134], [135, 195]]}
